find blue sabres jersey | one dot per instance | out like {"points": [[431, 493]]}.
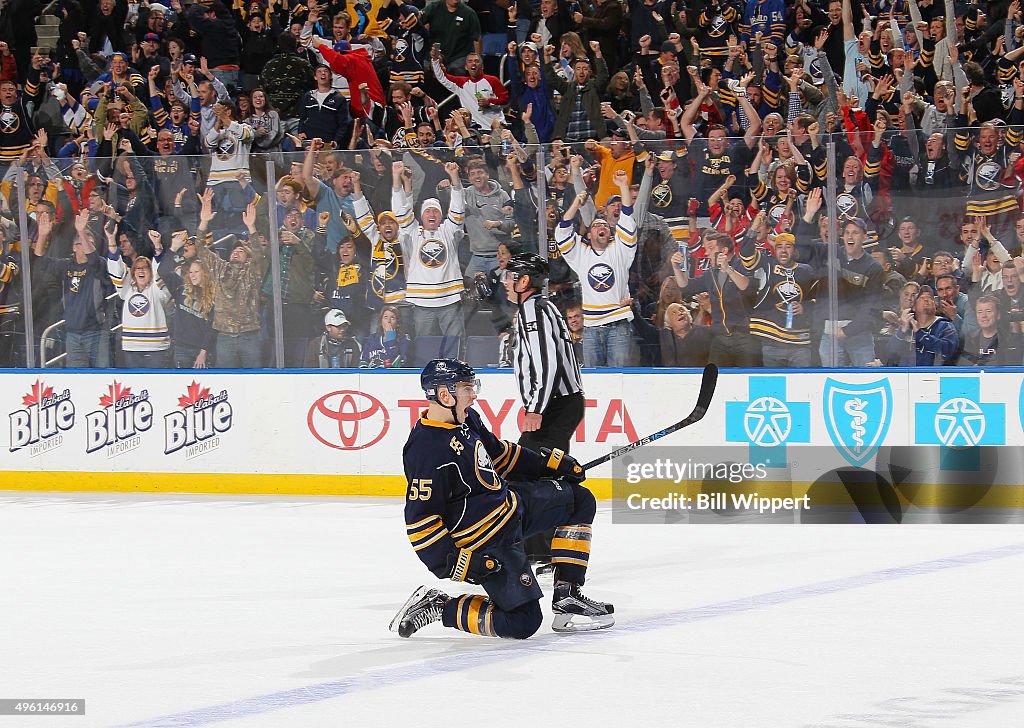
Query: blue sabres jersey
{"points": [[457, 495]]}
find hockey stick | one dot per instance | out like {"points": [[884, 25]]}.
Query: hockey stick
{"points": [[707, 392]]}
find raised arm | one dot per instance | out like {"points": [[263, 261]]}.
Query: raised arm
{"points": [[849, 31], [686, 123], [401, 204]]}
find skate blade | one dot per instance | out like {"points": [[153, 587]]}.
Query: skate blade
{"points": [[580, 623], [416, 596]]}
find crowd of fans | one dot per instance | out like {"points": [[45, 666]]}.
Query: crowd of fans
{"points": [[747, 183]]}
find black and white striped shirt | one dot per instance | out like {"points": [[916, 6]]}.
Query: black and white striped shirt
{"points": [[544, 359]]}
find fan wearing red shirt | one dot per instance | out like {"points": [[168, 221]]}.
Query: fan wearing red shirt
{"points": [[356, 65]]}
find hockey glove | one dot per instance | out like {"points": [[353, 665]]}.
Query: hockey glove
{"points": [[470, 566], [563, 465]]}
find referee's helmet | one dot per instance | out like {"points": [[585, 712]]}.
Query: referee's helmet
{"points": [[529, 264]]}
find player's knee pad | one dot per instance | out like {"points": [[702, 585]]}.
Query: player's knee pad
{"points": [[524, 621], [585, 506]]}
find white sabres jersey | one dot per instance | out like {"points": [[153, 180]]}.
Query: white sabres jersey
{"points": [[432, 273], [603, 275]]}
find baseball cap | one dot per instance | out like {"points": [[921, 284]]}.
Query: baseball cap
{"points": [[335, 317], [158, 8], [531, 45], [189, 58], [666, 156], [386, 214], [620, 133], [668, 47], [152, 37], [119, 53], [858, 221], [613, 198], [431, 203]]}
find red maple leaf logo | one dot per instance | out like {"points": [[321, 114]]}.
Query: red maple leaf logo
{"points": [[36, 394], [193, 394], [115, 393]]}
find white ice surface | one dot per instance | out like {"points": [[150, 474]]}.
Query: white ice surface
{"points": [[273, 612]]}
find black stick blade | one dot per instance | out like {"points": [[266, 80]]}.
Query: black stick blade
{"points": [[707, 390]]}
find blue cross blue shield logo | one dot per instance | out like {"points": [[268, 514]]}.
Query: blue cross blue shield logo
{"points": [[857, 417], [768, 421], [960, 422]]}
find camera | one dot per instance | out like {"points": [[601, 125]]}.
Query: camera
{"points": [[483, 287]]}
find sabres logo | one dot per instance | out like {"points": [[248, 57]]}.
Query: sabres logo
{"points": [[226, 148], [138, 305], [601, 277], [788, 292], [987, 176], [385, 268], [661, 195], [9, 122], [433, 254], [485, 469], [401, 46], [847, 205]]}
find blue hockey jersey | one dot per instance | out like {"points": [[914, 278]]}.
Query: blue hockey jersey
{"points": [[766, 16], [457, 495]]}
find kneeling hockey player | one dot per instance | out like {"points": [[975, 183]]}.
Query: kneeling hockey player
{"points": [[467, 523]]}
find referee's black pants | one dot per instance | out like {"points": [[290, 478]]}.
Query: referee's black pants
{"points": [[558, 425]]}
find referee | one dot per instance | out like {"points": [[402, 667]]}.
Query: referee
{"points": [[546, 368]]}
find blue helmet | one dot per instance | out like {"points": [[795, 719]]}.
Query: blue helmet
{"points": [[446, 373]]}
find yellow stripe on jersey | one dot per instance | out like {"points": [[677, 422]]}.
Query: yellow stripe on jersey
{"points": [[495, 529], [441, 534], [484, 529], [418, 524], [991, 207], [602, 316], [514, 459], [505, 449], [593, 306], [423, 533], [468, 533], [446, 289]]}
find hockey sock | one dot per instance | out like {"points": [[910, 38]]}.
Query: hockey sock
{"points": [[471, 613], [476, 614], [570, 553]]}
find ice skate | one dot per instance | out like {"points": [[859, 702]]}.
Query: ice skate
{"points": [[422, 608], [543, 569], [576, 613]]}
